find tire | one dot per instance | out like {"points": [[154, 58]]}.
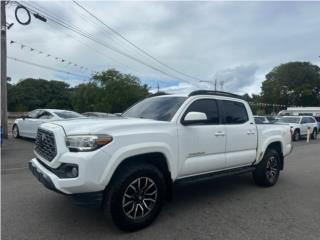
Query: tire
{"points": [[314, 134], [267, 171], [296, 135], [15, 131], [135, 196]]}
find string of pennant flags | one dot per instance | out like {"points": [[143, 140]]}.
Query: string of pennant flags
{"points": [[267, 105], [48, 55]]}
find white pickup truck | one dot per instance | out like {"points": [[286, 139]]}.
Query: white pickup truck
{"points": [[129, 164]]}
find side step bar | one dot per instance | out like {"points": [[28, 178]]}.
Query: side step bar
{"points": [[213, 175]]}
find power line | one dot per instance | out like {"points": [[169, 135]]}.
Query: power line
{"points": [[63, 60], [47, 67], [91, 37], [132, 44]]}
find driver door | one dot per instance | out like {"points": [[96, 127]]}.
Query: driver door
{"points": [[201, 144]]}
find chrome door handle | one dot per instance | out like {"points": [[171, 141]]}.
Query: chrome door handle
{"points": [[251, 133], [219, 134]]}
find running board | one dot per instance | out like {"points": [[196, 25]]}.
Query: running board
{"points": [[213, 175]]}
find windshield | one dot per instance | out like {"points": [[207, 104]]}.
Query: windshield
{"points": [[289, 120], [68, 114], [156, 108]]}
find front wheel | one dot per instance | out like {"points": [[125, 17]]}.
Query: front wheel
{"points": [[136, 196], [15, 131], [268, 170]]}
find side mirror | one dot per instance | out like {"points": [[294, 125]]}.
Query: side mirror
{"points": [[194, 117]]}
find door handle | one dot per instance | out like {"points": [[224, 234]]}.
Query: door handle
{"points": [[250, 132], [219, 134]]}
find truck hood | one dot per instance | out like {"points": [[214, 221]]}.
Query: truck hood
{"points": [[100, 126]]}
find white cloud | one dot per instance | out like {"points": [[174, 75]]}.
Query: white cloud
{"points": [[238, 41]]}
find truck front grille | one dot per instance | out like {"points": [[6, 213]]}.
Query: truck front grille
{"points": [[45, 144]]}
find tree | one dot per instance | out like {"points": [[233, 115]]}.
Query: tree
{"points": [[293, 83], [32, 93], [109, 91], [88, 98]]}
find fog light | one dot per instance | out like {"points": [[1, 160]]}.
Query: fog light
{"points": [[74, 172], [71, 171]]}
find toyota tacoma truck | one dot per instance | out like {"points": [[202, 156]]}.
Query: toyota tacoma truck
{"points": [[129, 164]]}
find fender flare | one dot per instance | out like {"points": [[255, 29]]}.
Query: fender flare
{"points": [[137, 149]]}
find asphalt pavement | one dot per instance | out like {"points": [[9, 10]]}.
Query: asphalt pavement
{"points": [[229, 208]]}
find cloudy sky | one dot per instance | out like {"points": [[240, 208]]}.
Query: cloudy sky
{"points": [[235, 43]]}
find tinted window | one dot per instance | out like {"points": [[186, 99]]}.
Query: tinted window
{"points": [[304, 120], [234, 112], [311, 120], [207, 106], [156, 108], [68, 114], [44, 115]]}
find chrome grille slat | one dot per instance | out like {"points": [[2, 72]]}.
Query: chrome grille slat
{"points": [[45, 144]]}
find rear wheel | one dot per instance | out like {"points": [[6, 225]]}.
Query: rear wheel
{"points": [[136, 196], [314, 134], [267, 171], [15, 131]]}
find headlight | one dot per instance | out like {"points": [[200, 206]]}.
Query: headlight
{"points": [[86, 143]]}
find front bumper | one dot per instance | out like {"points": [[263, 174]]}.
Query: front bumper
{"points": [[42, 177], [48, 179]]}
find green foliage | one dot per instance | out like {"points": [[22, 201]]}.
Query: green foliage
{"points": [[32, 93], [294, 83], [120, 90], [109, 91], [88, 98]]}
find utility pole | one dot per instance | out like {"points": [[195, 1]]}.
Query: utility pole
{"points": [[215, 84], [4, 118]]}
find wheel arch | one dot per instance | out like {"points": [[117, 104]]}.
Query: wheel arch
{"points": [[157, 159], [277, 145]]}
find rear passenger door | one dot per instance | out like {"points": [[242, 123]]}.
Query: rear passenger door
{"points": [[241, 134]]}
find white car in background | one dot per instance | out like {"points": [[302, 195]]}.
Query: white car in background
{"points": [[299, 126], [27, 125]]}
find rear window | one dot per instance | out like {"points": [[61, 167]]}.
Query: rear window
{"points": [[68, 114], [234, 112]]}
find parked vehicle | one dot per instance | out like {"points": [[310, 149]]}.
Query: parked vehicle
{"points": [[27, 125], [98, 114], [272, 119], [260, 119], [300, 125], [300, 111], [128, 165]]}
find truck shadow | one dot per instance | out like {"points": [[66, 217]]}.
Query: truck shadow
{"points": [[186, 198]]}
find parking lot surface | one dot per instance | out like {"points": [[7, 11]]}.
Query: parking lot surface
{"points": [[228, 208]]}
